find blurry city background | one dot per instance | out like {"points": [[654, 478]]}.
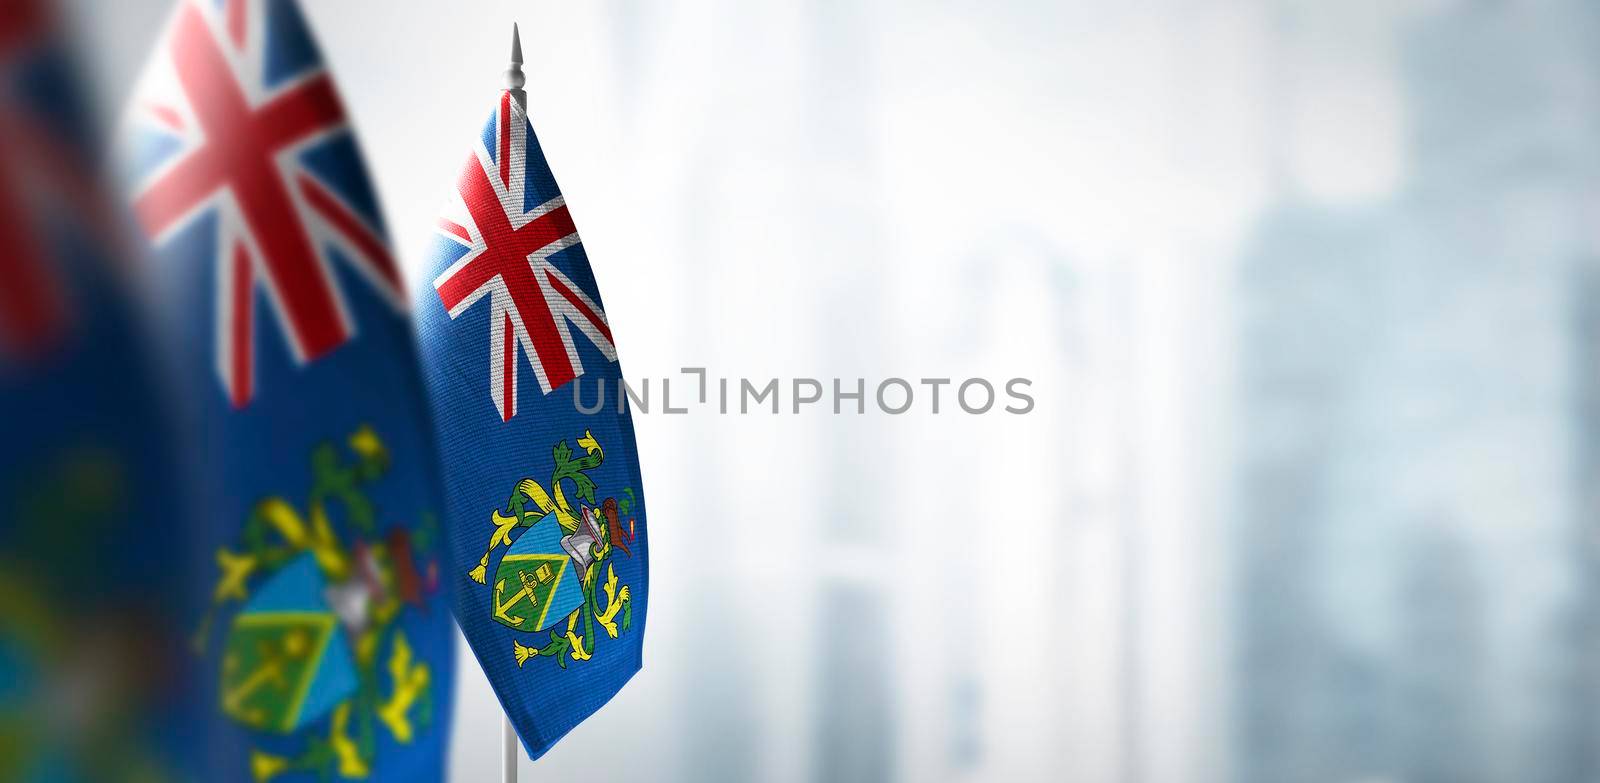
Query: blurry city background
{"points": [[1309, 293]]}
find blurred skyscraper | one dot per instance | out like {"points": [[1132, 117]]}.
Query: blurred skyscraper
{"points": [[1582, 697], [1412, 458], [855, 707]]}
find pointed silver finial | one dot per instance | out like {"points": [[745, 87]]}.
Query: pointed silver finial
{"points": [[514, 77]]}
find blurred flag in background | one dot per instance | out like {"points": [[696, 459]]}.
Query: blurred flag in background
{"points": [[326, 645], [89, 525], [544, 502]]}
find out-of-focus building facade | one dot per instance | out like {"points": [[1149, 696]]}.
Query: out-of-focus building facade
{"points": [[1415, 449]]}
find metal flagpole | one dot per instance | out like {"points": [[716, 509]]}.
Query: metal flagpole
{"points": [[514, 82], [514, 77], [508, 751]]}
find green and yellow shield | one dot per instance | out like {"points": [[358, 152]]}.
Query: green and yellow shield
{"points": [[535, 584]]}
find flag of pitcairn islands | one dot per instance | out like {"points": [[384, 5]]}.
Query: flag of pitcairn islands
{"points": [[325, 643], [90, 527], [544, 506]]}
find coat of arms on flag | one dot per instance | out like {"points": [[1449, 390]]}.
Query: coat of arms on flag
{"points": [[313, 619], [326, 650], [551, 579]]}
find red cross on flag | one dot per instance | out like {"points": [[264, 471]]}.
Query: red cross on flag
{"points": [[511, 222], [231, 126]]}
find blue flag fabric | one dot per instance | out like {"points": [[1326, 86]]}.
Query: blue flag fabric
{"points": [[325, 644], [545, 508], [88, 534]]}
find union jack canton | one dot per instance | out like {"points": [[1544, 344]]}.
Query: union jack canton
{"points": [[237, 122], [509, 220]]}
